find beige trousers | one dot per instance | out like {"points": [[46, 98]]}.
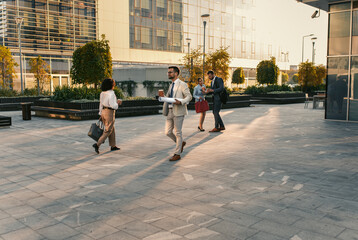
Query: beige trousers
{"points": [[108, 117], [176, 123]]}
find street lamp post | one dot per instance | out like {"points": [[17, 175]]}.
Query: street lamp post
{"points": [[204, 17], [19, 23], [286, 58], [303, 43], [313, 49], [188, 41]]}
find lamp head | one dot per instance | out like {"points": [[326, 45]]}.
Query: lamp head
{"points": [[314, 39], [19, 20], [205, 17], [188, 40]]}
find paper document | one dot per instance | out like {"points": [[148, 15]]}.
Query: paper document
{"points": [[168, 100]]}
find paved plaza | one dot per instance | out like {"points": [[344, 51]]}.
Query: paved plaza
{"points": [[277, 172]]}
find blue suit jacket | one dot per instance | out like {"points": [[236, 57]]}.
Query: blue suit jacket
{"points": [[218, 88]]}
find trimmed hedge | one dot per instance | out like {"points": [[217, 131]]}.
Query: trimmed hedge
{"points": [[270, 88], [66, 93]]}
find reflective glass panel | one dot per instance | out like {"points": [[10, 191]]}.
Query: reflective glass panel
{"points": [[353, 93], [340, 6], [355, 33], [337, 88], [339, 33]]}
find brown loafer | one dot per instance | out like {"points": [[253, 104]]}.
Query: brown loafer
{"points": [[175, 158], [222, 128], [182, 146], [215, 130]]}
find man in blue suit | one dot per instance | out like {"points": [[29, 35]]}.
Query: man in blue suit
{"points": [[217, 86]]}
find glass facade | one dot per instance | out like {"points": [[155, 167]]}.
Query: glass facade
{"points": [[48, 25], [156, 25], [342, 62], [164, 25]]}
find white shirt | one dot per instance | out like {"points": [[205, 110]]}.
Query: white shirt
{"points": [[107, 99], [213, 81], [175, 86]]}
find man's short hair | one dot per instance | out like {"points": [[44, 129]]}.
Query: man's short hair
{"points": [[175, 68], [211, 72]]}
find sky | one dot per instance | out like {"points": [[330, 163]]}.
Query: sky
{"points": [[288, 22]]}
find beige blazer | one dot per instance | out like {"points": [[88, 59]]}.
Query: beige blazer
{"points": [[182, 91]]}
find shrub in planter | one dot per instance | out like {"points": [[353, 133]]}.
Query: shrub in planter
{"points": [[66, 93], [7, 92], [270, 88]]}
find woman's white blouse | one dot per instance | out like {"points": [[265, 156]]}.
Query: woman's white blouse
{"points": [[107, 99]]}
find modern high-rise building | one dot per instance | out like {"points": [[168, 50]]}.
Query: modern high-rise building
{"points": [[342, 59], [142, 33], [50, 28]]}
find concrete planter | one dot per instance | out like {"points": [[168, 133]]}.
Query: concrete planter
{"points": [[89, 110], [235, 101], [278, 98], [14, 103]]}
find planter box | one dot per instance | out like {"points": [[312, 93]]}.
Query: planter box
{"points": [[5, 121], [236, 101], [89, 110], [14, 103], [279, 98]]}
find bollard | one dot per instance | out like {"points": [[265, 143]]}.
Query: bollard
{"points": [[26, 111]]}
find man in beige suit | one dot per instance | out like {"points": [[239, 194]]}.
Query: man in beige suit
{"points": [[175, 112]]}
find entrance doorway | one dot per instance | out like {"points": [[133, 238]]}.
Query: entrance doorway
{"points": [[59, 80]]}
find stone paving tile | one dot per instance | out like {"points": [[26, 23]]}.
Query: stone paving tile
{"points": [[50, 177], [139, 229], [97, 230], [23, 234], [313, 236], [348, 234], [233, 230], [9, 225], [278, 229], [319, 227], [58, 231], [38, 221], [120, 236], [265, 236]]}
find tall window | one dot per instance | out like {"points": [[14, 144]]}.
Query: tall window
{"points": [[159, 23]]}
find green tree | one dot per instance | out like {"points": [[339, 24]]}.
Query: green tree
{"points": [[267, 71], [195, 70], [7, 68], [295, 78], [41, 71], [284, 78], [219, 61], [238, 76], [92, 62], [310, 75], [321, 72]]}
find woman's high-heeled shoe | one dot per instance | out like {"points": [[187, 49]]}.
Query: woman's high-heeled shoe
{"points": [[200, 129]]}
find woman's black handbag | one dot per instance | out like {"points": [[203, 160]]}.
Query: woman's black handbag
{"points": [[96, 130]]}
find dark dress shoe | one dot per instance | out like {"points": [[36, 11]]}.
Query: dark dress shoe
{"points": [[175, 158], [115, 148], [96, 148], [182, 146], [201, 129], [222, 128], [215, 130]]}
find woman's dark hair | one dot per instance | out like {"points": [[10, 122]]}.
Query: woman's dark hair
{"points": [[107, 84], [199, 79]]}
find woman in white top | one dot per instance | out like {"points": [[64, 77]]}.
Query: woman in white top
{"points": [[107, 110], [199, 96]]}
